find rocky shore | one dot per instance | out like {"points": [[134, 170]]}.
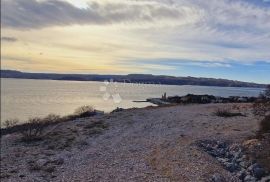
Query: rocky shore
{"points": [[199, 99], [176, 143], [234, 159]]}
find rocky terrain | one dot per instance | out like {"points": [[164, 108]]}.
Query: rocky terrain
{"points": [[199, 99], [234, 159], [173, 143]]}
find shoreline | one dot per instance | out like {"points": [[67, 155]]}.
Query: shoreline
{"points": [[158, 102]]}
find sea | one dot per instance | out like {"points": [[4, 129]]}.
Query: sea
{"points": [[26, 98]]}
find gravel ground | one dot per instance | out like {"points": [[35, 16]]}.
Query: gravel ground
{"points": [[149, 144]]}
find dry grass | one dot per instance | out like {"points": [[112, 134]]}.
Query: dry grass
{"points": [[95, 127], [10, 123], [33, 129], [262, 108], [259, 150], [265, 125], [35, 126], [85, 111], [226, 113]]}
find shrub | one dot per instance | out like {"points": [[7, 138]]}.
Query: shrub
{"points": [[267, 91], [262, 108], [225, 113], [97, 124], [33, 129], [52, 118], [10, 123], [265, 125], [85, 111], [95, 127]]}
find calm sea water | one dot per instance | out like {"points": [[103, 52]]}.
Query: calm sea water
{"points": [[22, 98]]}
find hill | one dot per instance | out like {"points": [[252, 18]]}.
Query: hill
{"points": [[132, 78]]}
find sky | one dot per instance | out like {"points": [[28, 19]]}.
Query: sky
{"points": [[215, 38]]}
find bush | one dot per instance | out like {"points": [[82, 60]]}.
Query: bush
{"points": [[226, 113], [262, 108], [52, 118], [95, 127], [85, 111], [12, 126], [265, 125], [33, 129], [10, 123]]}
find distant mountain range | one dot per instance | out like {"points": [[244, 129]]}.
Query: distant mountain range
{"points": [[131, 78]]}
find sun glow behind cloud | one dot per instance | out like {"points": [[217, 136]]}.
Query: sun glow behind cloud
{"points": [[109, 36]]}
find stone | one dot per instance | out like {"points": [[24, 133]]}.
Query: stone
{"points": [[250, 168], [222, 145], [250, 143], [58, 161], [21, 175], [237, 155], [249, 178], [50, 169], [232, 167], [49, 152], [41, 162], [221, 152], [265, 179], [222, 160], [232, 157], [241, 175], [217, 178], [243, 164], [258, 172]]}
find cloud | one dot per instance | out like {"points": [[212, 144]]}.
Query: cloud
{"points": [[30, 14], [210, 33], [172, 64], [8, 39], [238, 16], [17, 59], [216, 15]]}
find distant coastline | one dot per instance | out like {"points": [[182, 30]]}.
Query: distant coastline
{"points": [[132, 78]]}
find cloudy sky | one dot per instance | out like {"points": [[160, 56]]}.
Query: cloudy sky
{"points": [[213, 38]]}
